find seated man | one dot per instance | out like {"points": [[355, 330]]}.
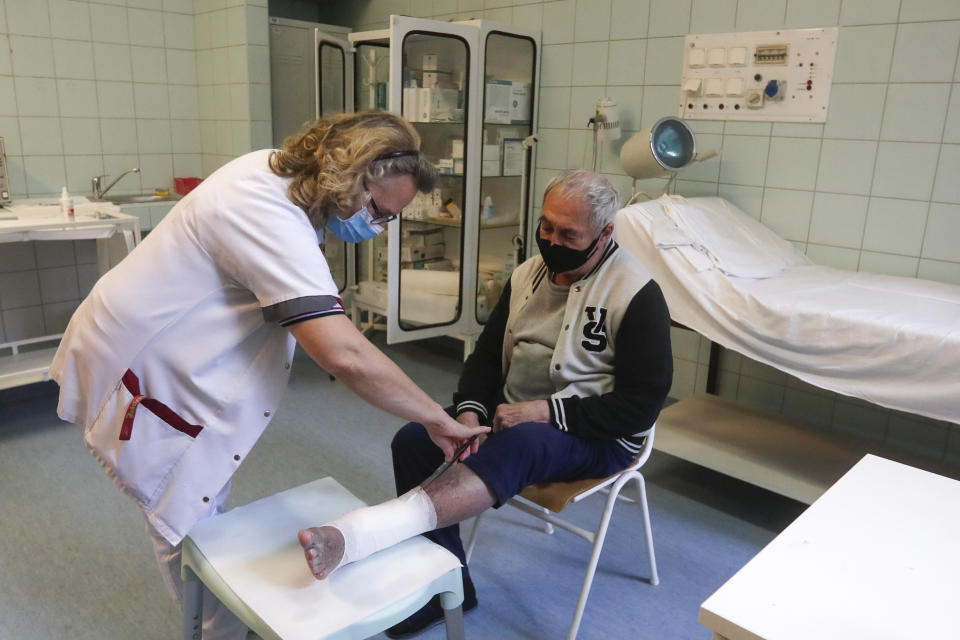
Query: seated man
{"points": [[571, 371]]}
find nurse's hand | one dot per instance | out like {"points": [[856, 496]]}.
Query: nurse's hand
{"points": [[449, 434], [509, 415]]}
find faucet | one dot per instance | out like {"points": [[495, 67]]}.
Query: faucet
{"points": [[97, 182]]}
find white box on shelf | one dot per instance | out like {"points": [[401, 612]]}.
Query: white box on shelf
{"points": [[490, 168], [520, 102], [498, 100], [429, 62]]}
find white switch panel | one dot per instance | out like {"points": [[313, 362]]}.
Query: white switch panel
{"points": [[790, 69]]}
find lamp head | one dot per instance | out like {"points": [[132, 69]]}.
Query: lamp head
{"points": [[666, 147]]}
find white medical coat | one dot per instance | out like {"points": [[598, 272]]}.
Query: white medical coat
{"points": [[187, 337]]}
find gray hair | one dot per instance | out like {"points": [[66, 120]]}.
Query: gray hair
{"points": [[414, 165], [593, 190]]}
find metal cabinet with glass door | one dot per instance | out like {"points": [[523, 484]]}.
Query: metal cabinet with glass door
{"points": [[470, 91]]}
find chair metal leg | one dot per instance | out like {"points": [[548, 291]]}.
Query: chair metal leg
{"points": [[472, 540], [595, 555], [454, 623], [192, 606], [642, 490]]}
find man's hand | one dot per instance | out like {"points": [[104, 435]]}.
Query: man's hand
{"points": [[449, 434], [509, 415]]}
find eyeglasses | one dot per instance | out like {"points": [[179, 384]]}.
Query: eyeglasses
{"points": [[379, 216]]}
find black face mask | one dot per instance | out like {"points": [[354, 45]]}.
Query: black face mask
{"points": [[560, 259]]}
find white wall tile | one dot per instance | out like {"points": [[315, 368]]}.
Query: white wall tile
{"points": [[58, 284], [81, 136], [187, 165], [151, 100], [156, 171], [744, 160], [237, 64], [529, 16], [40, 136], [864, 53], [185, 136], [756, 15], [239, 101], [258, 62], [793, 163], [951, 132], [943, 229], [708, 170], [748, 199], [155, 5], [664, 61], [116, 164], [11, 135], [946, 187], [19, 289], [80, 169], [787, 212], [869, 11], [109, 24], [797, 130], [557, 64], [18, 177], [154, 136], [45, 175], [895, 226], [258, 25], [236, 18], [78, 98], [31, 56], [260, 102], [583, 101], [146, 28], [658, 101], [118, 136], [178, 31], [811, 408], [628, 18], [16, 256], [554, 107], [592, 20], [115, 99], [28, 18], [760, 393], [859, 419], [589, 64], [56, 315], [182, 66], [23, 323], [836, 257], [838, 220], [696, 188], [669, 18], [70, 19], [855, 111], [73, 59], [915, 112], [925, 52], [684, 379], [846, 166], [812, 13], [905, 170], [891, 265], [713, 16], [36, 96], [733, 127], [6, 66], [183, 102], [948, 272], [149, 64], [629, 101], [917, 435], [558, 22], [915, 10], [111, 61]]}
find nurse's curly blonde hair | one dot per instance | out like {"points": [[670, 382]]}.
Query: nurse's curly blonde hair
{"points": [[329, 160]]}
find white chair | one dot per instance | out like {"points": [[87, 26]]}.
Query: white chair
{"points": [[251, 560], [543, 500]]}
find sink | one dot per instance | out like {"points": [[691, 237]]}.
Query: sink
{"points": [[138, 198]]}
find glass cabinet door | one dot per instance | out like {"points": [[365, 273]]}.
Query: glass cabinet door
{"points": [[431, 228], [508, 113]]}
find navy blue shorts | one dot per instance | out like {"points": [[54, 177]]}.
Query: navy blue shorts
{"points": [[512, 459]]}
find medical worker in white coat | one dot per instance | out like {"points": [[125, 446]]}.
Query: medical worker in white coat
{"points": [[177, 360]]}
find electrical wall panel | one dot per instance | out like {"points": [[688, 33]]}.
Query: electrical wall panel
{"points": [[778, 76]]}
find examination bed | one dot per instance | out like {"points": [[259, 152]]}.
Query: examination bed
{"points": [[888, 340]]}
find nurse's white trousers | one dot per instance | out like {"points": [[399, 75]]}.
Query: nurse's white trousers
{"points": [[219, 623]]}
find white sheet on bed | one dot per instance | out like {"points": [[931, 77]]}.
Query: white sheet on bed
{"points": [[892, 341]]}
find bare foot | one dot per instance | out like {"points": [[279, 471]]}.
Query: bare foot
{"points": [[323, 549]]}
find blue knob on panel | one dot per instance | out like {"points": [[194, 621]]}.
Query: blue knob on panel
{"points": [[772, 88]]}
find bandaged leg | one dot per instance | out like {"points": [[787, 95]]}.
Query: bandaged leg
{"points": [[355, 535]]}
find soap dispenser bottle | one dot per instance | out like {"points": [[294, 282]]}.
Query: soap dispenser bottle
{"points": [[66, 206]]}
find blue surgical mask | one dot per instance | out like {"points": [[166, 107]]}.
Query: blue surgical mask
{"points": [[356, 228]]}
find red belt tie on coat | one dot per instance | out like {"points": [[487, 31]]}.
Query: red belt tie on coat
{"points": [[162, 411]]}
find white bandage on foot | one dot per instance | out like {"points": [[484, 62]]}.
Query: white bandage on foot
{"points": [[370, 529]]}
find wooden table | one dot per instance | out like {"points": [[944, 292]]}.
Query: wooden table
{"points": [[876, 557]]}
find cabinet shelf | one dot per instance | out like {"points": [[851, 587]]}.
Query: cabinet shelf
{"points": [[445, 222]]}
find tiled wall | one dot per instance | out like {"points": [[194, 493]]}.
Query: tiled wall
{"points": [[875, 188], [88, 88], [99, 86], [233, 74]]}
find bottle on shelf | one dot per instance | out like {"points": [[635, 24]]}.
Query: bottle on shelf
{"points": [[66, 206]]}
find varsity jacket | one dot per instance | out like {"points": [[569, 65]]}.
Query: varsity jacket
{"points": [[612, 366]]}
